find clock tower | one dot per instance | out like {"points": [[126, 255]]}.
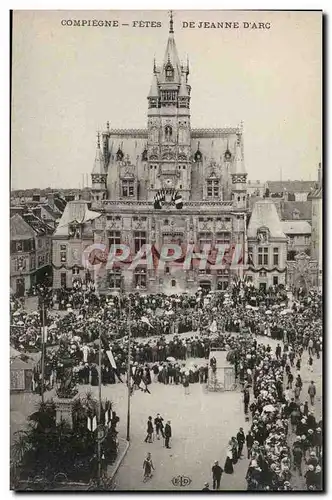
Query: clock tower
{"points": [[169, 152]]}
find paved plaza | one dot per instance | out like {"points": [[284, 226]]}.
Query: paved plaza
{"points": [[202, 424]]}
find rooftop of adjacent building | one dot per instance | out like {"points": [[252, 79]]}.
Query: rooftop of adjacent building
{"points": [[28, 225], [265, 215], [291, 186], [296, 227]]}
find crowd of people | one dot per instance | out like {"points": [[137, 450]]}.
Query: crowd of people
{"points": [[198, 322]]}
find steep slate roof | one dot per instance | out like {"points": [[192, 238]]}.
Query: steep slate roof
{"points": [[290, 186], [317, 193], [40, 227], [75, 211], [20, 229], [60, 203], [303, 207], [265, 215], [296, 227]]}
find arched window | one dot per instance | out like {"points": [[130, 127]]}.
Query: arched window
{"points": [[169, 72], [168, 132]]}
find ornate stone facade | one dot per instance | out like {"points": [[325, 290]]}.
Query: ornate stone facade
{"points": [[206, 168]]}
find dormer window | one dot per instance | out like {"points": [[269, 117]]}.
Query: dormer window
{"points": [[169, 72], [74, 231], [263, 235]]}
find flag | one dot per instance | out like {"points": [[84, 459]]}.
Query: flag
{"points": [[108, 350], [89, 424], [111, 358], [177, 199], [45, 333], [144, 319], [159, 198], [94, 423]]}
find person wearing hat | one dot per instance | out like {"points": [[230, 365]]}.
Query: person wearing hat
{"points": [[149, 431], [241, 440], [312, 392], [318, 478], [168, 433], [216, 475], [318, 440], [206, 487], [310, 477], [313, 460], [297, 455]]}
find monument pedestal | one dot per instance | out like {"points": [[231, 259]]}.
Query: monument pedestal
{"points": [[64, 410]]}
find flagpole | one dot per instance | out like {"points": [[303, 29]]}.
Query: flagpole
{"points": [[99, 406], [128, 371], [43, 350]]}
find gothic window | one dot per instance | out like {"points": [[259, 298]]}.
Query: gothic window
{"points": [[140, 278], [168, 132], [213, 188], [140, 240], [127, 188], [275, 280], [276, 256], [114, 278]]}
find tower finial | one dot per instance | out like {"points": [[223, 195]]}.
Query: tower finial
{"points": [[98, 140], [171, 30], [154, 65]]}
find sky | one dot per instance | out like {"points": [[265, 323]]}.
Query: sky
{"points": [[68, 81]]}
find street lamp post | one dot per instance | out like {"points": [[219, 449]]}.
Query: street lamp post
{"points": [[43, 349], [128, 370]]}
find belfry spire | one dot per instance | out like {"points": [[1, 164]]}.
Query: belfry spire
{"points": [[171, 29]]}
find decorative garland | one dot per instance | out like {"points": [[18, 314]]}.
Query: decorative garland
{"points": [[258, 270]]}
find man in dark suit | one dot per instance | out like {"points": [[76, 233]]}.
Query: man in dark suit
{"points": [[241, 440], [216, 475], [168, 433]]}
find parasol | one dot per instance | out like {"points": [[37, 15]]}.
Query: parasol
{"points": [[286, 311], [268, 408], [171, 359]]}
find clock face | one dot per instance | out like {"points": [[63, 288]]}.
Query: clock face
{"points": [[169, 183]]}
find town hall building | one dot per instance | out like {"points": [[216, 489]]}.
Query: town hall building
{"points": [[203, 168]]}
